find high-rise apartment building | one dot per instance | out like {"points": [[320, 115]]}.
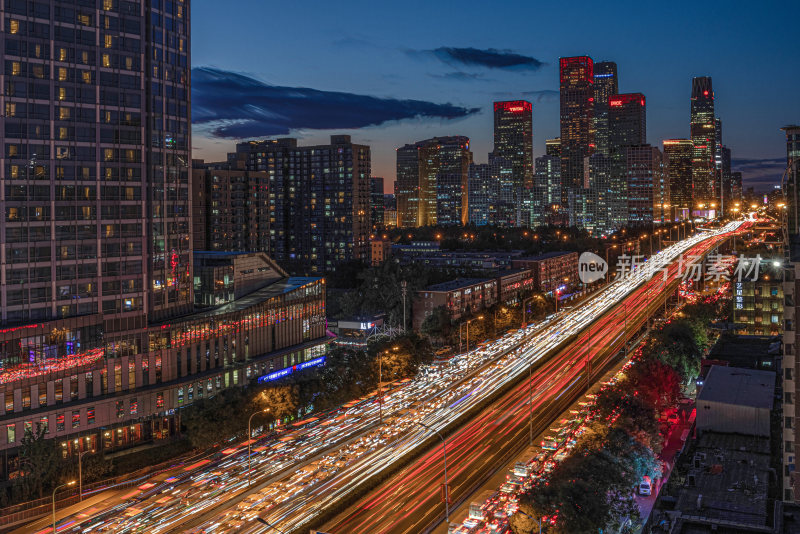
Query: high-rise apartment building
{"points": [[547, 190], [492, 193], [100, 344], [606, 84], [376, 203], [791, 274], [627, 118], [647, 193], [432, 182], [703, 137], [319, 198], [230, 208], [577, 115], [678, 154]]}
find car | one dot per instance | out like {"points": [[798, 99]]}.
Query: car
{"points": [[645, 487]]}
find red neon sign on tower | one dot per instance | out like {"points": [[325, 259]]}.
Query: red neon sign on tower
{"points": [[513, 106], [621, 100]]}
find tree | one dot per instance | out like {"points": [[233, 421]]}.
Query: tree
{"points": [[657, 383], [437, 324], [40, 464], [281, 400]]}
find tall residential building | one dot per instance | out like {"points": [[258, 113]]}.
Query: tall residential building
{"points": [[791, 274], [678, 155], [627, 118], [376, 204], [320, 201], [703, 136], [736, 188], [547, 191], [646, 188], [606, 84], [513, 138], [432, 182], [577, 115], [552, 147], [101, 345], [230, 208], [484, 184], [602, 200]]}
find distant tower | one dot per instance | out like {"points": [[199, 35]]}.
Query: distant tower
{"points": [[513, 142], [627, 120], [605, 85], [577, 142], [678, 172], [702, 133]]}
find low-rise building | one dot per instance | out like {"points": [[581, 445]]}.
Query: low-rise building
{"points": [[379, 251], [736, 400], [222, 277], [758, 300], [511, 283], [551, 270], [462, 296]]}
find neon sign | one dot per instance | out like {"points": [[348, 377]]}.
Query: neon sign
{"points": [[275, 375]]}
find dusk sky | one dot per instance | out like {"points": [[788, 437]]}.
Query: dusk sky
{"points": [[394, 73]]}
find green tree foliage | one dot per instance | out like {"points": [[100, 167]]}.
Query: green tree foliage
{"points": [[438, 325], [40, 465]]}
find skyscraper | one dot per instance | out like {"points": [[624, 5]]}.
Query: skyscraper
{"points": [[703, 136], [605, 85], [577, 114], [513, 138], [678, 155], [319, 200], [432, 182], [376, 208], [99, 344], [553, 147], [627, 118], [646, 188]]}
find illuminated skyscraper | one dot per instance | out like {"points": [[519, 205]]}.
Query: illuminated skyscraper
{"points": [[678, 171], [627, 119], [605, 85], [513, 138], [703, 136], [432, 182], [577, 115], [553, 147], [646, 187]]}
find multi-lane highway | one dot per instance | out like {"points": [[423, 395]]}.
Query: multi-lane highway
{"points": [[299, 473]]}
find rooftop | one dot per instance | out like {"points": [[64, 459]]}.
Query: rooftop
{"points": [[548, 255], [458, 283], [742, 387]]}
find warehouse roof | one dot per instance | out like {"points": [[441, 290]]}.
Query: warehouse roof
{"points": [[742, 387]]}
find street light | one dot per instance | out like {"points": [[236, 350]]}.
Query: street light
{"points": [[80, 474], [71, 483], [446, 487], [538, 521], [608, 272], [480, 317], [249, 434]]}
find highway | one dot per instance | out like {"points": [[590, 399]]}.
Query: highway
{"points": [[302, 471]]}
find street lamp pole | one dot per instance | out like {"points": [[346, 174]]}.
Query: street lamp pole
{"points": [[71, 483], [446, 487], [249, 434], [80, 473], [538, 521]]}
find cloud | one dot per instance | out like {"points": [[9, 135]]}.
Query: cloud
{"points": [[545, 95], [236, 106], [760, 172], [490, 58], [460, 76]]}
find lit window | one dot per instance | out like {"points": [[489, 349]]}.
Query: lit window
{"points": [[90, 415], [62, 54], [63, 113], [76, 418], [106, 60], [13, 27], [62, 74], [15, 68], [62, 93], [87, 76], [109, 41], [11, 109], [86, 20], [11, 431]]}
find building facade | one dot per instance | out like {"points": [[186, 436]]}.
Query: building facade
{"points": [[230, 208], [627, 117], [551, 270], [577, 126], [758, 303], [319, 198], [433, 182], [678, 154], [647, 194], [460, 297], [376, 202], [606, 84], [704, 146], [513, 142]]}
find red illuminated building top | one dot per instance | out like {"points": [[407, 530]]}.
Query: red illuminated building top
{"points": [[627, 98], [513, 106], [582, 65]]}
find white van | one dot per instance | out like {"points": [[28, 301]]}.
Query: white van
{"points": [[645, 487]]}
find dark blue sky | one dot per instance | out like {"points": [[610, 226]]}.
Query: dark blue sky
{"points": [[393, 73]]}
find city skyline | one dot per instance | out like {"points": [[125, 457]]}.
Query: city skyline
{"points": [[459, 64]]}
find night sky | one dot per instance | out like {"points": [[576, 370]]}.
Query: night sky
{"points": [[394, 73]]}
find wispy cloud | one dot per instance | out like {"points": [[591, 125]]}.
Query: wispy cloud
{"points": [[490, 58], [760, 172], [236, 106], [460, 76]]}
